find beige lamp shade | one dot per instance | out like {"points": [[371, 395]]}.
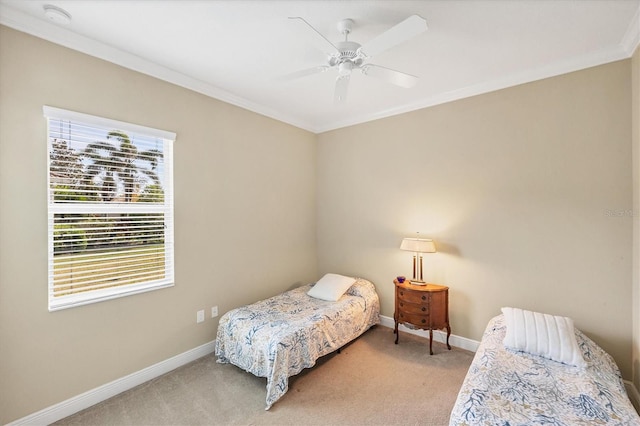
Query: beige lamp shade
{"points": [[418, 245]]}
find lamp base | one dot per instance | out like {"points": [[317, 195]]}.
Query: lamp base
{"points": [[417, 282]]}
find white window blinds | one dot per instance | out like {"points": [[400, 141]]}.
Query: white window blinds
{"points": [[110, 208]]}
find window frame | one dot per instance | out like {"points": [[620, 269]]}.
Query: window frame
{"points": [[59, 302]]}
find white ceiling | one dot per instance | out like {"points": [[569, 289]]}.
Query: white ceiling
{"points": [[237, 51]]}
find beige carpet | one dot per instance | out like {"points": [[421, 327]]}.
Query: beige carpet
{"points": [[371, 382]]}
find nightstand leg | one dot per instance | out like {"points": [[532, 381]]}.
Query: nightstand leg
{"points": [[448, 334], [430, 341]]}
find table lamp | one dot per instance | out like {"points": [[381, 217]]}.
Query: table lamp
{"points": [[418, 246]]}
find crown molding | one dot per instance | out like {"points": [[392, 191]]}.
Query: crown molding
{"points": [[22, 22], [528, 76]]}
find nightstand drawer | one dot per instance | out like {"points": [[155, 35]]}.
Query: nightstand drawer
{"points": [[415, 319], [412, 296], [412, 308]]}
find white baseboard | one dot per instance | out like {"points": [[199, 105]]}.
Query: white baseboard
{"points": [[438, 336], [101, 393], [85, 400], [94, 396], [472, 345]]}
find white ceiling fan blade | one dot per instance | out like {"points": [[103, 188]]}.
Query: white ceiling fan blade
{"points": [[314, 36], [303, 73], [409, 28], [342, 84], [392, 76]]}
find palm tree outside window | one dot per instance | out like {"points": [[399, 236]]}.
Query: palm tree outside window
{"points": [[110, 208]]}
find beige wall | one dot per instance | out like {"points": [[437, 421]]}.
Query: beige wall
{"points": [[520, 189], [636, 209], [527, 192], [240, 180]]}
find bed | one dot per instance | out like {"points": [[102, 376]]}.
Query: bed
{"points": [[278, 337], [512, 386]]}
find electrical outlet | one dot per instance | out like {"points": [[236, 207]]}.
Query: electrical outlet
{"points": [[200, 316], [214, 311]]}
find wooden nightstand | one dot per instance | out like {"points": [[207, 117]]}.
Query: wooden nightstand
{"points": [[422, 306]]}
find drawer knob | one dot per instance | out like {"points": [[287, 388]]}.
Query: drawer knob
{"points": [[423, 320], [424, 309], [424, 297], [402, 293], [401, 304]]}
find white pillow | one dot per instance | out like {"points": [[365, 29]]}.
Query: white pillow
{"points": [[331, 287], [548, 336]]}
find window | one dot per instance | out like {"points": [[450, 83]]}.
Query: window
{"points": [[110, 208]]}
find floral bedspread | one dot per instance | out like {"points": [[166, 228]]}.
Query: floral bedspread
{"points": [[278, 337], [503, 387]]}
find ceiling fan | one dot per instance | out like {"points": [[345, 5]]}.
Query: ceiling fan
{"points": [[346, 56]]}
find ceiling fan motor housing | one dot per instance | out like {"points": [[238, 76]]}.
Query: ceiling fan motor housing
{"points": [[348, 52]]}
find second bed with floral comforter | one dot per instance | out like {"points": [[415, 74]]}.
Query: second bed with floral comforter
{"points": [[504, 387]]}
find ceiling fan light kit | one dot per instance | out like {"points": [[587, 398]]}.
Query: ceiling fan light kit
{"points": [[344, 68], [345, 56]]}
